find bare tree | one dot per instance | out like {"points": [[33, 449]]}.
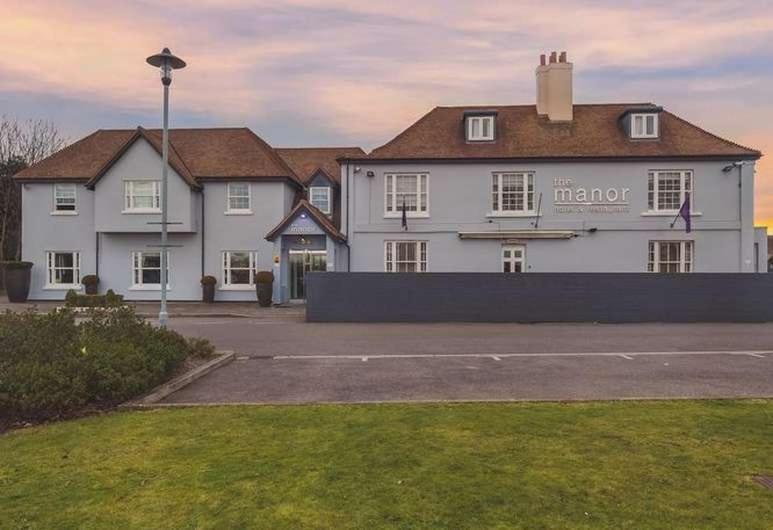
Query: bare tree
{"points": [[21, 144]]}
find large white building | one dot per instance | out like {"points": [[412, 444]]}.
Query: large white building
{"points": [[550, 187]]}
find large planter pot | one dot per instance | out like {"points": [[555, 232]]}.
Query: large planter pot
{"points": [[265, 290], [208, 293], [17, 280]]}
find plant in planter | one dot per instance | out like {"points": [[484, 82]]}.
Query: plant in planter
{"points": [[208, 288], [264, 284], [17, 280], [90, 282]]}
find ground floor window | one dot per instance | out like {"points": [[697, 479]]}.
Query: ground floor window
{"points": [[64, 269], [239, 268], [405, 256], [513, 258], [146, 269], [670, 256]]}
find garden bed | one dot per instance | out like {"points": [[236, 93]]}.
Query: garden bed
{"points": [[53, 366]]}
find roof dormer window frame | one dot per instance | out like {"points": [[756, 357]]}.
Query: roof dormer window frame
{"points": [[645, 126], [480, 127]]}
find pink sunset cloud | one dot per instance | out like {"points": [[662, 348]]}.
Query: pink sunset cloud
{"points": [[345, 71]]}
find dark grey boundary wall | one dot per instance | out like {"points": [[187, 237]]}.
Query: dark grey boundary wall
{"points": [[538, 297]]}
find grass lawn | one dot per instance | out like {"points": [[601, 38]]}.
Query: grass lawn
{"points": [[679, 464]]}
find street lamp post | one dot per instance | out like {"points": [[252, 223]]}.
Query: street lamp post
{"points": [[166, 62]]}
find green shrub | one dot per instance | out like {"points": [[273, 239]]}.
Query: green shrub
{"points": [[208, 280], [90, 279], [109, 299], [264, 277], [51, 366]]}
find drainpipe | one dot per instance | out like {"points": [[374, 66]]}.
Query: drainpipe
{"points": [[203, 225], [96, 267], [348, 246]]}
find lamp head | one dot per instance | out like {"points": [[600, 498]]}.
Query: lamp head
{"points": [[166, 62]]}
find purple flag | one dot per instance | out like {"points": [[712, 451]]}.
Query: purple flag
{"points": [[684, 213], [405, 217]]}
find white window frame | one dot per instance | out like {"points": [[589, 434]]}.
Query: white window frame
{"points": [[644, 117], [512, 259], [326, 191], [51, 269], [139, 285], [390, 255], [394, 210], [529, 193], [61, 195], [476, 126], [686, 185], [686, 263], [129, 197], [229, 196], [226, 267]]}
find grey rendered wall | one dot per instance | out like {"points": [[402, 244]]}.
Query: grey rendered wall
{"points": [[42, 232], [459, 200], [570, 297], [140, 162], [115, 266], [270, 203]]}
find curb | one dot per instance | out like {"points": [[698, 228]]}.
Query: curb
{"points": [[162, 391], [197, 315]]}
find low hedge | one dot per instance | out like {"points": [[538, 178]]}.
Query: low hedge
{"points": [[109, 299], [51, 366]]}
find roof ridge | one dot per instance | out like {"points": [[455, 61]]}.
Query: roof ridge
{"points": [[414, 124], [735, 144], [326, 148], [272, 152]]}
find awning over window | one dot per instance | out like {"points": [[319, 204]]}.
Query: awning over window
{"points": [[518, 234]]}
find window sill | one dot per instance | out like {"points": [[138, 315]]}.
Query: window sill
{"points": [[238, 212], [513, 214], [64, 212], [62, 287], [399, 215], [236, 288], [668, 213], [148, 288], [135, 211]]}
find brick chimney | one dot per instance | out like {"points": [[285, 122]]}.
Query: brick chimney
{"points": [[554, 87]]}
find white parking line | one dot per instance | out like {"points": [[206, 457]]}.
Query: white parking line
{"points": [[760, 354]]}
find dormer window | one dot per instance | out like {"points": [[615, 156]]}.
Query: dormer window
{"points": [[480, 128], [644, 126], [319, 196]]}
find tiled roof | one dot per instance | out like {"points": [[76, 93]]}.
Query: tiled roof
{"points": [[305, 161], [320, 218], [595, 132], [194, 153]]}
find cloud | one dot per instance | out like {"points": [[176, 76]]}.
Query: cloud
{"points": [[348, 71]]}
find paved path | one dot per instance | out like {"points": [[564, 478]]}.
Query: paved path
{"points": [[284, 360]]}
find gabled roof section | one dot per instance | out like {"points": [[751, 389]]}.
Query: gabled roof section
{"points": [[320, 218], [594, 133], [306, 161], [196, 154]]}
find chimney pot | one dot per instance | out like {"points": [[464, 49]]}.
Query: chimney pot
{"points": [[562, 57], [552, 57], [542, 59]]}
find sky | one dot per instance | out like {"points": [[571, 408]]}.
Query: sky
{"points": [[357, 72]]}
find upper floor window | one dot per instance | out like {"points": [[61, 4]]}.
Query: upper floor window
{"points": [[319, 196], [670, 256], [142, 195], [64, 270], [480, 128], [512, 193], [644, 125], [407, 191], [667, 190], [405, 256], [65, 196], [239, 200]]}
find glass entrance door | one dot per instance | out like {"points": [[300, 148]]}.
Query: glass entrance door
{"points": [[301, 262]]}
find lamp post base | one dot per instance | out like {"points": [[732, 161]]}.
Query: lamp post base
{"points": [[163, 318]]}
